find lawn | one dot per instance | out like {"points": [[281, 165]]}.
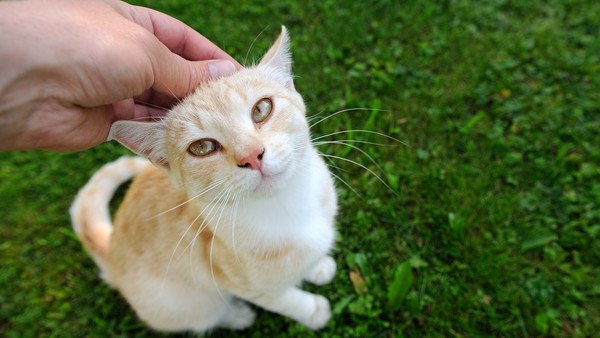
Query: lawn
{"points": [[492, 218]]}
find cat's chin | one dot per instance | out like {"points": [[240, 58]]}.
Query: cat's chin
{"points": [[268, 185]]}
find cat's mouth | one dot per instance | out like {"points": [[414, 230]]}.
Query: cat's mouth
{"points": [[270, 177], [269, 182]]}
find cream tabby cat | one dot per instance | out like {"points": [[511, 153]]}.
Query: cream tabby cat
{"points": [[260, 213]]}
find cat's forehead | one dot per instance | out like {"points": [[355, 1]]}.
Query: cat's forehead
{"points": [[222, 98], [244, 85]]}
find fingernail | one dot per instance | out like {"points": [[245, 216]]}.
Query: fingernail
{"points": [[220, 68]]}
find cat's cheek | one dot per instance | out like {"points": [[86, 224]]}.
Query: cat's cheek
{"points": [[196, 177]]}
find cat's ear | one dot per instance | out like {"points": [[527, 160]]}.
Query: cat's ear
{"points": [[143, 138], [279, 57]]}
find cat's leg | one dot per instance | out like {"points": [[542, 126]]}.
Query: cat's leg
{"points": [[174, 305], [239, 316], [304, 307], [177, 314], [323, 272]]}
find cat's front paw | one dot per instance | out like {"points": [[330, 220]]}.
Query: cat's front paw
{"points": [[240, 316], [323, 272], [320, 315]]}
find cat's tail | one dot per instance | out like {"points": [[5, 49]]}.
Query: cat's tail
{"points": [[90, 211]]}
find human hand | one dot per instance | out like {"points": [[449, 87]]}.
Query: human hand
{"points": [[68, 69]]}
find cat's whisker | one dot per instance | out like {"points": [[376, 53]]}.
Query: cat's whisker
{"points": [[319, 143], [364, 167], [344, 111], [345, 183], [309, 120], [207, 189], [212, 242], [252, 44], [237, 198], [329, 163], [358, 149], [235, 216], [166, 274], [315, 116], [181, 239], [360, 131], [206, 222], [148, 104], [172, 94], [186, 231], [150, 118], [312, 118]]}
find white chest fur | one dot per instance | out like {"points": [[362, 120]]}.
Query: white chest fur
{"points": [[295, 215]]}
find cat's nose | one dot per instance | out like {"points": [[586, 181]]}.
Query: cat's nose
{"points": [[253, 160]]}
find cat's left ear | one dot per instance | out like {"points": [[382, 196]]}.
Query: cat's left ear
{"points": [[279, 57], [143, 138]]}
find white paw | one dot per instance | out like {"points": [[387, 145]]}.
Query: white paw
{"points": [[323, 272], [320, 315], [240, 316]]}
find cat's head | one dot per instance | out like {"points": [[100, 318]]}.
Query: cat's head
{"points": [[246, 132]]}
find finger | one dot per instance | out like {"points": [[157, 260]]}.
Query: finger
{"points": [[130, 110], [123, 110], [178, 77], [178, 37], [148, 113], [156, 99]]}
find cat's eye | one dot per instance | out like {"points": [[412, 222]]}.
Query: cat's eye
{"points": [[262, 110], [203, 147]]}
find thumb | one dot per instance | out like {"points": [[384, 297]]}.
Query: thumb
{"points": [[175, 76]]}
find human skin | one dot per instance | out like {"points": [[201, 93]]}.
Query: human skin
{"points": [[70, 68]]}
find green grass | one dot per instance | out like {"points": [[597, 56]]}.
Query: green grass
{"points": [[497, 208]]}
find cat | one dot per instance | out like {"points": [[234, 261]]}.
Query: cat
{"points": [[231, 203]]}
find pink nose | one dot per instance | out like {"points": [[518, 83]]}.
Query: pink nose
{"points": [[253, 160]]}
